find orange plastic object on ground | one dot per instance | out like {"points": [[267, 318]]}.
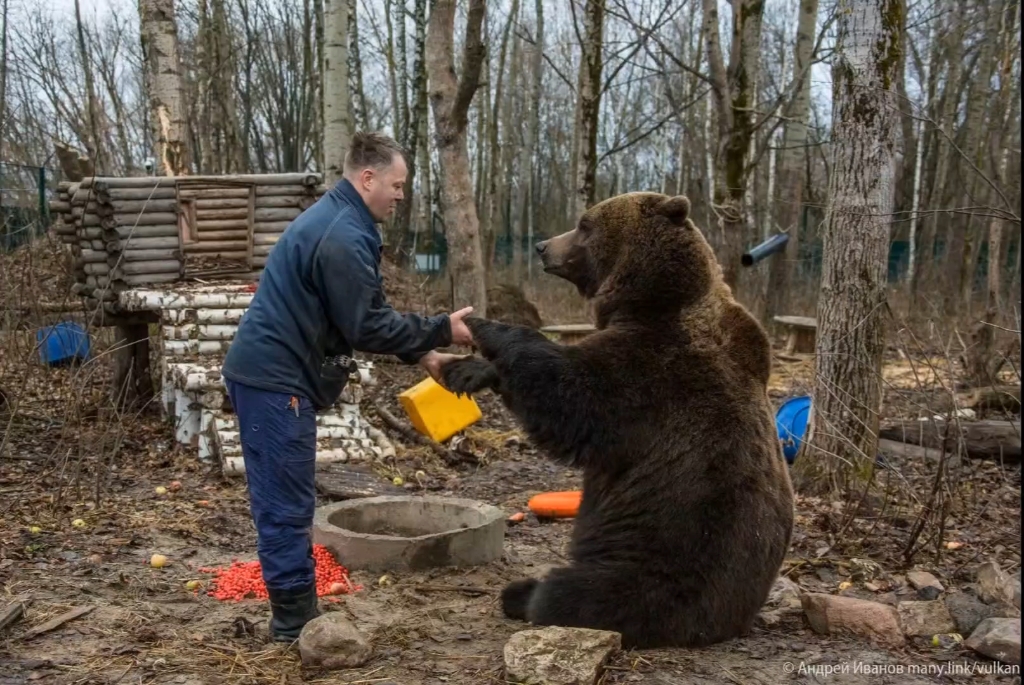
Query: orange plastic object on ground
{"points": [[564, 504], [436, 412]]}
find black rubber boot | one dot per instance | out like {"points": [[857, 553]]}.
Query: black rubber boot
{"points": [[290, 611]]}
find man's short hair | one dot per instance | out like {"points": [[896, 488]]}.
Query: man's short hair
{"points": [[373, 150]]}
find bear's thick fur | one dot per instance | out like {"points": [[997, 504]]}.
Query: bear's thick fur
{"points": [[687, 505]]}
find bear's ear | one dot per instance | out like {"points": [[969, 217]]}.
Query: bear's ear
{"points": [[675, 209]]}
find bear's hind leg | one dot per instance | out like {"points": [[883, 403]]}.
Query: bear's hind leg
{"points": [[515, 598], [584, 597]]}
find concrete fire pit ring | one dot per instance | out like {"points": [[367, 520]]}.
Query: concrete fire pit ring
{"points": [[410, 533]]}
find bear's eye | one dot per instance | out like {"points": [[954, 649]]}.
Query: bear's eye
{"points": [[584, 226]]}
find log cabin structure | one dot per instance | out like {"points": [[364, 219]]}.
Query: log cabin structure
{"points": [[185, 253], [149, 230]]}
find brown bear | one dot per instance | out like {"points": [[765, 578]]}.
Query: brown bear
{"points": [[687, 506]]}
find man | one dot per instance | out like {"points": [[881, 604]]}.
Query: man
{"points": [[320, 298]]}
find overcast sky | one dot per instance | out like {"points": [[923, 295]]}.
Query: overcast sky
{"points": [[820, 74]]}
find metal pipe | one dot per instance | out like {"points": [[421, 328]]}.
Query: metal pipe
{"points": [[776, 243]]}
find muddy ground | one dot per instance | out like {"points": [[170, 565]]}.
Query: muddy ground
{"points": [[444, 626]]}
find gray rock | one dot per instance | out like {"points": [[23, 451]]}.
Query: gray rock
{"points": [[785, 594], [924, 619], [830, 615], [995, 586], [968, 611], [330, 641], [558, 656], [997, 638], [922, 579]]}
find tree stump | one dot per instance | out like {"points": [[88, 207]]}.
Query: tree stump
{"points": [[133, 383], [801, 331]]}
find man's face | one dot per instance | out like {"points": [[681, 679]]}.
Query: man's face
{"points": [[383, 190]]}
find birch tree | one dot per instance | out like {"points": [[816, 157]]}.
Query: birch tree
{"points": [[450, 98], [337, 122], [159, 37], [843, 437]]}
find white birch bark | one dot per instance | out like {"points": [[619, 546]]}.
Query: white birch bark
{"points": [[337, 122]]}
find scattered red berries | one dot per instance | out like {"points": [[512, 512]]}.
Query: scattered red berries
{"points": [[244, 579]]}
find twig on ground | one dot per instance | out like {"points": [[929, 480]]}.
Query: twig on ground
{"points": [[410, 433]]}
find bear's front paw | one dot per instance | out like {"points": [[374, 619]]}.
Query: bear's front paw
{"points": [[469, 376], [515, 598], [487, 335], [496, 339]]}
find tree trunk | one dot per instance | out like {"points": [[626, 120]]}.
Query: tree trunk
{"points": [[234, 158], [96, 150], [735, 98], [588, 106], [924, 275], [791, 166], [529, 146], [961, 234], [983, 359], [159, 36], [355, 61], [497, 154], [915, 201], [3, 85], [450, 99], [337, 125], [839, 454]]}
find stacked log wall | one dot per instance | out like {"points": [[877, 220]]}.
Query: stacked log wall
{"points": [[126, 233]]}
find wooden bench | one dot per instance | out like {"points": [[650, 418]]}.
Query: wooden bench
{"points": [[801, 330], [569, 333]]}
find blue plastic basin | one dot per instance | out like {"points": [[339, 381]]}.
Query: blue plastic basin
{"points": [[62, 342], [791, 424]]}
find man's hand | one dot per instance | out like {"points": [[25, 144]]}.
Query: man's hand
{"points": [[433, 362], [460, 331]]}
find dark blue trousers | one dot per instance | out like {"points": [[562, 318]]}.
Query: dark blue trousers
{"points": [[279, 449]]}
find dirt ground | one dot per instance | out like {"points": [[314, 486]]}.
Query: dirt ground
{"points": [[427, 628], [66, 457]]}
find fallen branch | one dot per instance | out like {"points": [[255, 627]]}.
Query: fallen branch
{"points": [[57, 622], [910, 451], [466, 589], [411, 434], [980, 439], [11, 614], [1006, 397]]}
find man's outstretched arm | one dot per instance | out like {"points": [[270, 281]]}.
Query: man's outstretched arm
{"points": [[345, 274]]}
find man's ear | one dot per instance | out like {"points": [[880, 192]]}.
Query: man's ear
{"points": [[675, 209]]}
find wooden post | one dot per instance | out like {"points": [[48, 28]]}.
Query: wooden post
{"points": [[133, 384]]}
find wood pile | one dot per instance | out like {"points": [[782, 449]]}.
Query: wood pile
{"points": [[196, 326], [142, 231]]}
